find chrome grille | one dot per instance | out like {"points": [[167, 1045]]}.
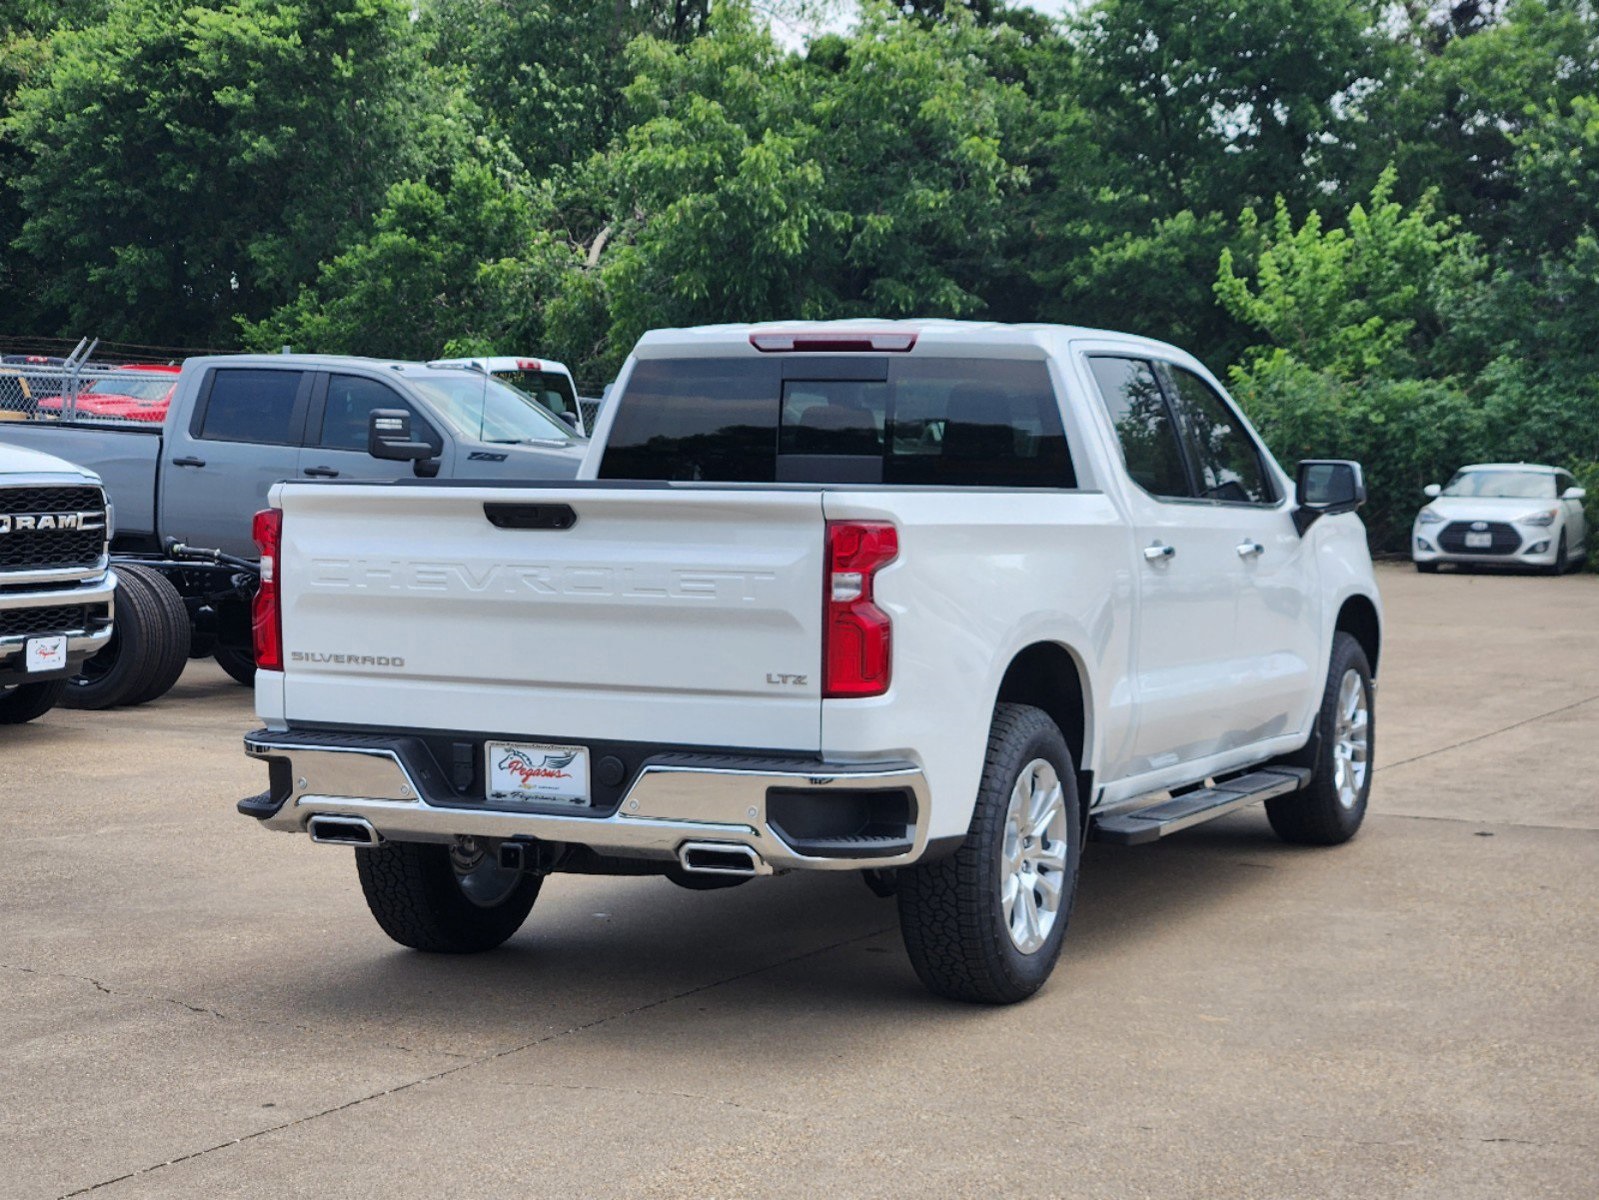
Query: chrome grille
{"points": [[51, 549]]}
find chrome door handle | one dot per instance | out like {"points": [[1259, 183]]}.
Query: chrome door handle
{"points": [[1250, 549], [1159, 551]]}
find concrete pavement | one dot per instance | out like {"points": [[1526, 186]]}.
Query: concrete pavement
{"points": [[192, 1007]]}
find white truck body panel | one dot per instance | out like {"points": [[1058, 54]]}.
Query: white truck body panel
{"points": [[981, 577]]}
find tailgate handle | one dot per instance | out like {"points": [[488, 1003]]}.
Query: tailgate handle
{"points": [[530, 516]]}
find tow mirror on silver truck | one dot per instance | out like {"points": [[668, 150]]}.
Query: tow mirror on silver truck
{"points": [[1327, 487], [388, 436]]}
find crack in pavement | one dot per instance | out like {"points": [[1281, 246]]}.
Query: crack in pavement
{"points": [[1497, 823], [1553, 712], [476, 1062], [130, 994], [1417, 1141]]}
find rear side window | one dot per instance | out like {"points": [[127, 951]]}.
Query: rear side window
{"points": [[1229, 462], [253, 406], [1144, 425], [922, 422]]}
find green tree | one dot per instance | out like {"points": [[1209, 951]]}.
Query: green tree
{"points": [[1356, 362], [871, 177], [1541, 309], [1356, 300], [190, 164], [1207, 104], [1465, 82], [466, 267]]}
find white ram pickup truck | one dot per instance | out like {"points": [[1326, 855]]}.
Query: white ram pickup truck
{"points": [[57, 589], [933, 601]]}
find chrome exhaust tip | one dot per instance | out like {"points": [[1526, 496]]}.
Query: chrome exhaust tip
{"points": [[721, 858], [343, 831]]}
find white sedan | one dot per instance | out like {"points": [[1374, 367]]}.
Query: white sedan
{"points": [[1515, 514]]}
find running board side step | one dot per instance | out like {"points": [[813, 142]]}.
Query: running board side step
{"points": [[1203, 804]]}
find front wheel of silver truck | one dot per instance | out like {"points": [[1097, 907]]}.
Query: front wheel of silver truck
{"points": [[986, 923], [444, 899]]}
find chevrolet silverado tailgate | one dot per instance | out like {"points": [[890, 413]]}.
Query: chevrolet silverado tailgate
{"points": [[658, 614]]}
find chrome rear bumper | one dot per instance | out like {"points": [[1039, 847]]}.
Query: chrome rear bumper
{"points": [[667, 804]]}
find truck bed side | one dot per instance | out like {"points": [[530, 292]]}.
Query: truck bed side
{"points": [[127, 459]]}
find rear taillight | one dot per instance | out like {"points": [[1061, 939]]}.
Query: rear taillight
{"points": [[268, 616], [857, 636]]}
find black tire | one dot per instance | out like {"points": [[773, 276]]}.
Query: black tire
{"points": [[414, 892], [1319, 815], [1562, 562], [951, 910], [1427, 568], [29, 700], [126, 664], [174, 643], [237, 662]]}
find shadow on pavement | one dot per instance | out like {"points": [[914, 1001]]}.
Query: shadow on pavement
{"points": [[790, 948]]}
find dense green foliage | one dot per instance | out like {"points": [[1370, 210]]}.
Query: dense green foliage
{"points": [[1379, 222]]}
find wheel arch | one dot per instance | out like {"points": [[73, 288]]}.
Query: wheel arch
{"points": [[1358, 617], [1050, 676]]}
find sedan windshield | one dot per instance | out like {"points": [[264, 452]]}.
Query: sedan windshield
{"points": [[1502, 485], [480, 407]]}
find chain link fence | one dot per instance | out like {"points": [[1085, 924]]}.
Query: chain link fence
{"points": [[85, 394]]}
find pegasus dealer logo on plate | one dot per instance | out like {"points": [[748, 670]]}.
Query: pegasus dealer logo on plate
{"points": [[525, 768]]}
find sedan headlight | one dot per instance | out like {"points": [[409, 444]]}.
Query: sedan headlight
{"points": [[1543, 518], [1428, 517]]}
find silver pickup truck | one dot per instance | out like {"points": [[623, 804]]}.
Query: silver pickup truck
{"points": [[238, 424], [235, 426]]}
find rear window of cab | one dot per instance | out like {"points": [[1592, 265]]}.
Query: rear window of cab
{"points": [[846, 419]]}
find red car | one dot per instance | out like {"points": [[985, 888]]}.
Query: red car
{"points": [[124, 396]]}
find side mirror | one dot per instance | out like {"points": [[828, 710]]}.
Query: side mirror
{"points": [[1574, 493], [388, 436], [570, 418], [1327, 487], [1432, 491]]}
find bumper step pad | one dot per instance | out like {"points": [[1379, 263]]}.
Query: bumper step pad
{"points": [[1204, 804]]}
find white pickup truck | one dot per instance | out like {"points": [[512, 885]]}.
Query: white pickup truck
{"points": [[57, 589], [934, 601]]}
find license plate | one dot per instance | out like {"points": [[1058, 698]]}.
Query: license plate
{"points": [[1479, 541], [531, 771], [44, 654]]}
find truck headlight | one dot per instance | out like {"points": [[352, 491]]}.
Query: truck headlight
{"points": [[1428, 517], [1542, 519]]}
